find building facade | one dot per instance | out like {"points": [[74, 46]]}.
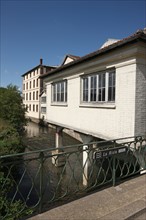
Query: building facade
{"points": [[32, 88], [102, 94]]}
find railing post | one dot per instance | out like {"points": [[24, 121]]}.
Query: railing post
{"points": [[114, 171], [41, 180], [85, 165], [114, 168]]}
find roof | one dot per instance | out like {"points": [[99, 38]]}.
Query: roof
{"points": [[73, 57], [140, 35], [36, 67]]}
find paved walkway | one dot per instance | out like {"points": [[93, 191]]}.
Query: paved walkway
{"points": [[125, 201]]}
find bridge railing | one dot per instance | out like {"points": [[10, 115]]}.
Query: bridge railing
{"points": [[35, 181]]}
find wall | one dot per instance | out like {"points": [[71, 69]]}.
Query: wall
{"points": [[30, 77], [140, 111]]}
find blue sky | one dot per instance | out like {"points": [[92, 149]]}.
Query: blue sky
{"points": [[32, 29]]}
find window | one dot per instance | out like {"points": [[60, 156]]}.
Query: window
{"points": [[29, 107], [33, 95], [30, 85], [43, 99], [37, 82], [26, 96], [99, 87], [59, 92], [27, 85], [24, 86], [43, 110], [30, 96], [36, 108], [34, 83], [33, 108], [37, 95]]}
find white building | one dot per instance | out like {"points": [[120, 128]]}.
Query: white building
{"points": [[102, 94], [32, 87], [43, 96]]}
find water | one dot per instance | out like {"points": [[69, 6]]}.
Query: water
{"points": [[44, 137]]}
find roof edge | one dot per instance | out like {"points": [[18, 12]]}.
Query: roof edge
{"points": [[36, 67]]}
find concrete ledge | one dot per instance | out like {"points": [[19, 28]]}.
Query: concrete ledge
{"points": [[114, 203], [126, 212], [141, 215]]}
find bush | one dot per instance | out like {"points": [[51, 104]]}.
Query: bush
{"points": [[10, 141], [10, 210]]}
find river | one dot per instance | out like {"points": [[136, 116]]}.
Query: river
{"points": [[38, 138]]}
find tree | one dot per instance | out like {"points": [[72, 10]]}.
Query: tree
{"points": [[12, 108], [12, 121], [10, 140]]}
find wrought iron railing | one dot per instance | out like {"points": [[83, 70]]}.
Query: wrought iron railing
{"points": [[41, 178]]}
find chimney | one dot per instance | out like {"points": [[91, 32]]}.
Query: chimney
{"points": [[41, 61]]}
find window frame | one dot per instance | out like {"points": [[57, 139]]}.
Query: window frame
{"points": [[98, 93], [59, 93], [43, 110]]}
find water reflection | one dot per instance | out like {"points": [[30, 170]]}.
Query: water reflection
{"points": [[33, 130], [44, 137]]}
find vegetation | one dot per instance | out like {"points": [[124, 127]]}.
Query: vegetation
{"points": [[12, 109], [12, 121]]}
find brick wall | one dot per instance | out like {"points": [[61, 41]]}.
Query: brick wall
{"points": [[140, 105]]}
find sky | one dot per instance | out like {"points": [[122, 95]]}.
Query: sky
{"points": [[51, 29]]}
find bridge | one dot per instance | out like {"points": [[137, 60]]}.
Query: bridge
{"points": [[44, 178]]}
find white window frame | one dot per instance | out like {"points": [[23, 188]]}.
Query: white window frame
{"points": [[59, 93], [92, 96]]}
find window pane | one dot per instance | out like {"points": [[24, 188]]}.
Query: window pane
{"points": [[103, 94], [62, 97], [54, 93], [93, 88], [85, 96], [85, 89], [101, 88], [43, 109], [111, 88]]}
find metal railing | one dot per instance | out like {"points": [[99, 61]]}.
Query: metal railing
{"points": [[43, 177]]}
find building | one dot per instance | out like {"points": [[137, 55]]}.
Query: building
{"points": [[43, 97], [32, 88], [102, 94]]}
